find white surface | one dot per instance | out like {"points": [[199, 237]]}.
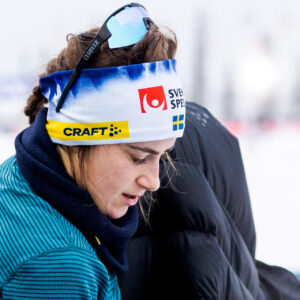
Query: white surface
{"points": [[272, 165]]}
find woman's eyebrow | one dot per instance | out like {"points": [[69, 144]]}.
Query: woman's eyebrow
{"points": [[149, 150]]}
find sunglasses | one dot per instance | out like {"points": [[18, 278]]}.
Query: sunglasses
{"points": [[125, 27]]}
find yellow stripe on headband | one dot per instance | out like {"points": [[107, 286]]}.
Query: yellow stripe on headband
{"points": [[88, 131]]}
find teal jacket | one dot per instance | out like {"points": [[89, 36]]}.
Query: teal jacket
{"points": [[43, 255]]}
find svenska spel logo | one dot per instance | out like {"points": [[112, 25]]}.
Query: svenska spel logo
{"points": [[152, 98]]}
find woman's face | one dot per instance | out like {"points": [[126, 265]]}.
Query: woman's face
{"points": [[117, 175]]}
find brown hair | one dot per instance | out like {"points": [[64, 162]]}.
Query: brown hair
{"points": [[154, 46]]}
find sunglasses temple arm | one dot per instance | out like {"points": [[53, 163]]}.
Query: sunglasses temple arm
{"points": [[71, 81], [102, 36]]}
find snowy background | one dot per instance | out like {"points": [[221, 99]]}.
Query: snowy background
{"points": [[239, 59]]}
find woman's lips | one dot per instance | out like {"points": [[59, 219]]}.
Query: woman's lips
{"points": [[130, 200]]}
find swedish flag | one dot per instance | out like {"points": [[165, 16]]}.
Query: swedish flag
{"points": [[178, 122]]}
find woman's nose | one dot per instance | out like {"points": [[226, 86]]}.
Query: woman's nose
{"points": [[149, 179]]}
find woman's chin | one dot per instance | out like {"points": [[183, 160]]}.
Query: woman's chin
{"points": [[117, 213]]}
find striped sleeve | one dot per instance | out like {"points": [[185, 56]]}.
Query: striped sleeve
{"points": [[62, 274]]}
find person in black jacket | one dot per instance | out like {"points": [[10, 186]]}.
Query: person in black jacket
{"points": [[201, 243]]}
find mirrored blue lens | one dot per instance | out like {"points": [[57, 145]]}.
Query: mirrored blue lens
{"points": [[127, 27]]}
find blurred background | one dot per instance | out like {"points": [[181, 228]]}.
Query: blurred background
{"points": [[239, 59]]}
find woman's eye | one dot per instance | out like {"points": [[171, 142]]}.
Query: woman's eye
{"points": [[138, 161]]}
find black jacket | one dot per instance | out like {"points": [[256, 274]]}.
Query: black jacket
{"points": [[202, 242]]}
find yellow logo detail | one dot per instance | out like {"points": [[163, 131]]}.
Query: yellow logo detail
{"points": [[98, 241], [88, 131], [178, 122]]}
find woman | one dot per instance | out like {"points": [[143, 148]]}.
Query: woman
{"points": [[68, 197]]}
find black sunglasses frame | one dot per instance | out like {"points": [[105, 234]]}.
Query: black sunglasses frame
{"points": [[102, 36]]}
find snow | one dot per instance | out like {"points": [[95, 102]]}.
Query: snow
{"points": [[7, 146], [272, 167]]}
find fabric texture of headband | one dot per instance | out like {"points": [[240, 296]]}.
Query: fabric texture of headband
{"points": [[126, 104]]}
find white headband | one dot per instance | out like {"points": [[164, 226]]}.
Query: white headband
{"points": [[127, 104]]}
